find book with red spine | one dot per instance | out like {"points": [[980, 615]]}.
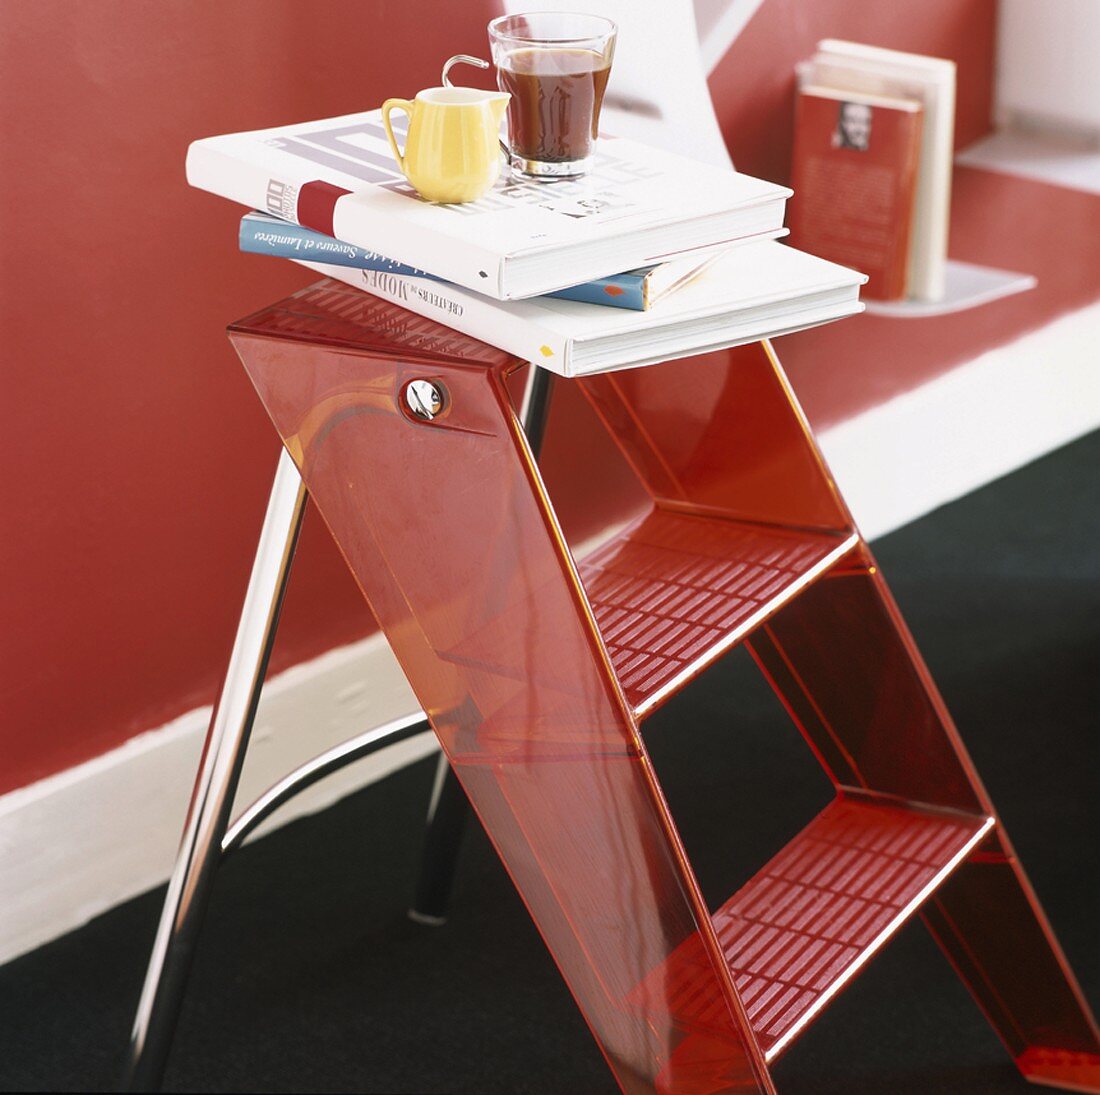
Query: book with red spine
{"points": [[854, 176]]}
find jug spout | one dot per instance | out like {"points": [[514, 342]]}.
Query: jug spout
{"points": [[498, 103]]}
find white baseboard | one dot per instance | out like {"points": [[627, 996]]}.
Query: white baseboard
{"points": [[84, 840], [78, 843], [904, 458], [1058, 159]]}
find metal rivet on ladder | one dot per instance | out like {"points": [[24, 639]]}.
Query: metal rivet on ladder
{"points": [[424, 399]]}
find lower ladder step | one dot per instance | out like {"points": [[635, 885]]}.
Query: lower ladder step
{"points": [[1061, 1068], [801, 928]]}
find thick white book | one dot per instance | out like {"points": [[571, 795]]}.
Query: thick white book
{"points": [[638, 206], [850, 66], [755, 291]]}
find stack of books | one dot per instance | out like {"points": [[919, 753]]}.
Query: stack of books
{"points": [[873, 147], [651, 256]]}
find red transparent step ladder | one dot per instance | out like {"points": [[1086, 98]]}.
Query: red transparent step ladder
{"points": [[537, 671]]}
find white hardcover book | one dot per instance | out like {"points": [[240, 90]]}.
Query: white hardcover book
{"points": [[756, 291], [850, 66], [636, 207]]}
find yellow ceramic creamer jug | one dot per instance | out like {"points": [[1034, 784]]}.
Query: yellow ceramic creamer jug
{"points": [[452, 151]]}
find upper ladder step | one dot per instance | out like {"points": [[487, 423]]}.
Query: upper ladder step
{"points": [[672, 592], [799, 930]]}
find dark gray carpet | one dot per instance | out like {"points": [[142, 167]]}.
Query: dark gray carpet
{"points": [[310, 978]]}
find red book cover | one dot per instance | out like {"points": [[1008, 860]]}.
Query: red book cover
{"points": [[854, 179]]}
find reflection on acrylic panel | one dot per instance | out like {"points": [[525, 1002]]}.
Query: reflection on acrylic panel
{"points": [[537, 670]]}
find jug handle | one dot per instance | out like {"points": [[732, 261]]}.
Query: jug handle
{"points": [[387, 106]]}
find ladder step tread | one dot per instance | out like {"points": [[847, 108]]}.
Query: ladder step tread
{"points": [[801, 928], [673, 591]]}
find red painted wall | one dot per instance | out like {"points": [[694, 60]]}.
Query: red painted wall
{"points": [[753, 86], [996, 220], [139, 459]]}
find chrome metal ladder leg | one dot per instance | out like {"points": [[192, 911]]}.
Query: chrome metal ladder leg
{"points": [[449, 808], [219, 772], [448, 812]]}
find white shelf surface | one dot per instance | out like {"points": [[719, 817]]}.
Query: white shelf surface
{"points": [[1059, 160], [968, 286]]}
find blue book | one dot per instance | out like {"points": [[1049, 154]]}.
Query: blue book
{"points": [[637, 290]]}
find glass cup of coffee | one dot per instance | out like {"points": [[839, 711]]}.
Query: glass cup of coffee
{"points": [[555, 66]]}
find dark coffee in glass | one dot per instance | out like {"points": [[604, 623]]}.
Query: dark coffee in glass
{"points": [[555, 66], [555, 108]]}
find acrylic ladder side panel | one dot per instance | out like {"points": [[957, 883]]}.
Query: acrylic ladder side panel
{"points": [[453, 542], [722, 435]]}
